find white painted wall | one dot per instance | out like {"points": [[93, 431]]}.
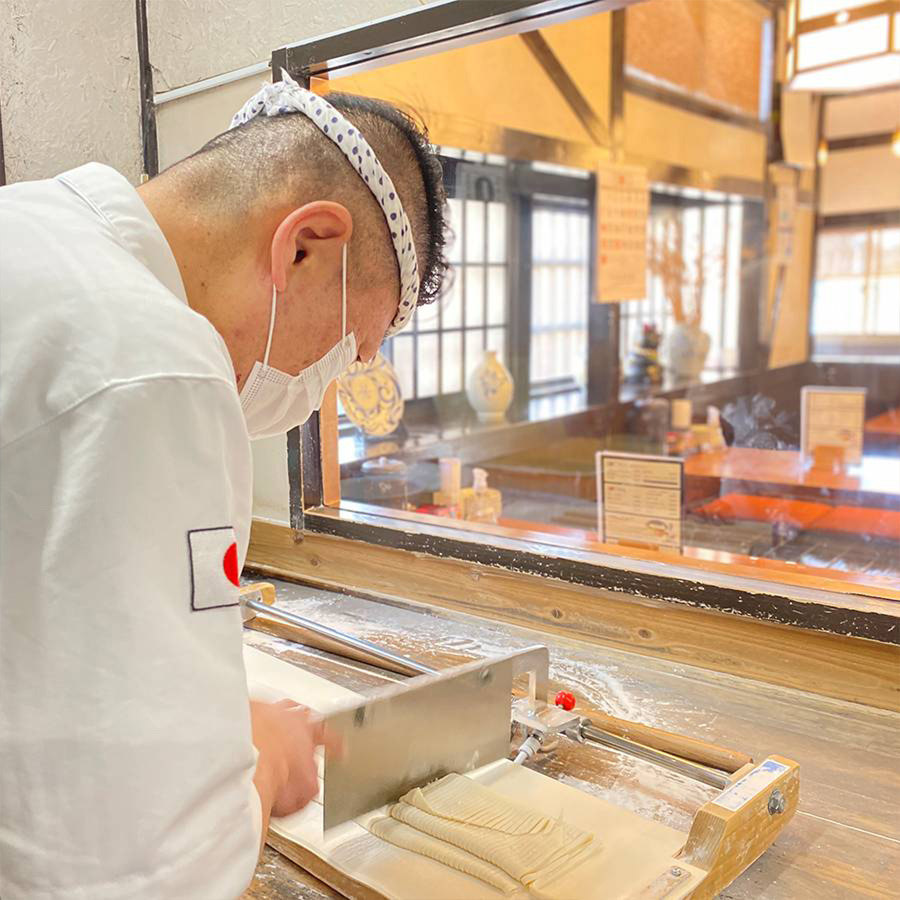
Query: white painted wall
{"points": [[857, 114], [860, 180], [195, 39], [69, 86], [69, 82], [187, 123]]}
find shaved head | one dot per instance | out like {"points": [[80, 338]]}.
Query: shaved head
{"points": [[286, 161]]}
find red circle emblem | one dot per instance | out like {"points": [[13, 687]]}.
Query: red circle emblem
{"points": [[230, 564]]}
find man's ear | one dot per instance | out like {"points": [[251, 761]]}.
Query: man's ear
{"points": [[321, 224]]}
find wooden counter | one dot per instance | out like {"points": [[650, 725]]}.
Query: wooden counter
{"points": [[712, 560], [877, 474], [888, 423], [843, 842], [882, 433]]}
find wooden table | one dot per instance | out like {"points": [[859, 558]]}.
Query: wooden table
{"points": [[876, 482], [844, 841], [882, 433], [888, 423]]}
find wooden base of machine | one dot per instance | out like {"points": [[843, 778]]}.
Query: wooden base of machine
{"points": [[640, 858], [722, 844], [321, 869]]}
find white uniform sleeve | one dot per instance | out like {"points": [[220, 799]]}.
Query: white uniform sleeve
{"points": [[127, 759]]}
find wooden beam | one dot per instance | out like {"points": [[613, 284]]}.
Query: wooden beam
{"points": [[570, 92], [852, 669]]}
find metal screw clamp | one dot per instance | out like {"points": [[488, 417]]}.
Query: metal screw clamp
{"points": [[776, 803]]}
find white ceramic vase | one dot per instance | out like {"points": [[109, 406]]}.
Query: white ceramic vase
{"points": [[490, 388], [684, 351]]}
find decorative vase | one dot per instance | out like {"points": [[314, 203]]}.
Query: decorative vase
{"points": [[685, 349], [490, 388], [371, 397]]}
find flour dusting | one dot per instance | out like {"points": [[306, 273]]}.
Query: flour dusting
{"points": [[651, 792]]}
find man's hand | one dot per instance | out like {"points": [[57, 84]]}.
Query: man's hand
{"points": [[286, 736]]}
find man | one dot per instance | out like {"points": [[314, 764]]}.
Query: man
{"points": [[145, 335]]}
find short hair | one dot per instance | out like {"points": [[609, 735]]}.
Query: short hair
{"points": [[271, 154]]}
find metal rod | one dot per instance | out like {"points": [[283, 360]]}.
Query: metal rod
{"points": [[339, 637], [648, 754]]}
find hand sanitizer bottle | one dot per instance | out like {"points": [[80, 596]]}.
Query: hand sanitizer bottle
{"points": [[479, 502]]}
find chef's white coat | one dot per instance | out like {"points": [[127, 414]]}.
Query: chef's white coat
{"points": [[125, 494]]}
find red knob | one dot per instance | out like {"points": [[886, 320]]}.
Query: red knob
{"points": [[566, 699]]}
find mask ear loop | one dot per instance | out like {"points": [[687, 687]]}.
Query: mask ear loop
{"points": [[271, 327], [344, 292]]}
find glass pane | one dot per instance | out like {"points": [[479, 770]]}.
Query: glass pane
{"points": [[812, 9], [474, 346], [838, 307], [496, 340], [475, 230], [713, 282], [454, 245], [733, 286], [886, 313], [403, 363], [451, 302], [427, 371], [496, 295], [428, 316], [559, 298], [755, 504], [830, 45], [451, 362], [687, 234], [474, 276], [496, 232]]}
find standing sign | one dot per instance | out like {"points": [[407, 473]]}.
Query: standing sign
{"points": [[623, 204], [833, 417], [640, 499]]}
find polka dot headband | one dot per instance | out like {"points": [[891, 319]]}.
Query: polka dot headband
{"points": [[287, 96]]}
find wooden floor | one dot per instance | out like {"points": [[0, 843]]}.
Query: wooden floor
{"points": [[843, 843]]}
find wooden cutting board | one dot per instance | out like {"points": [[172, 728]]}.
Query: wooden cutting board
{"points": [[637, 856]]}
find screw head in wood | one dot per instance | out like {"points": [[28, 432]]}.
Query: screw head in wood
{"points": [[776, 803]]}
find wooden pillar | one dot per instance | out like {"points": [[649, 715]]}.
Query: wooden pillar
{"points": [[603, 318]]}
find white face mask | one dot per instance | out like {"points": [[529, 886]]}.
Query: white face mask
{"points": [[275, 402]]}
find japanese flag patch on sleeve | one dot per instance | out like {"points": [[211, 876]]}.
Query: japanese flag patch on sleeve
{"points": [[214, 568]]}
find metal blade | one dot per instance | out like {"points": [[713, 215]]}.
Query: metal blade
{"points": [[408, 734]]}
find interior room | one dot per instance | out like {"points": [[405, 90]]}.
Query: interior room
{"points": [[585, 371], [581, 580]]}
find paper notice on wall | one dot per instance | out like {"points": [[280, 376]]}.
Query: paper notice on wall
{"points": [[787, 208], [785, 180], [639, 499], [833, 418], [623, 204]]}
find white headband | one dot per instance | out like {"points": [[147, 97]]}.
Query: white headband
{"points": [[287, 96]]}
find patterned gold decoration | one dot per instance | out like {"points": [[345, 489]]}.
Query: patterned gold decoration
{"points": [[371, 397]]}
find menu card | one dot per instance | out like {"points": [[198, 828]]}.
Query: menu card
{"points": [[834, 418], [639, 499], [623, 204]]}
